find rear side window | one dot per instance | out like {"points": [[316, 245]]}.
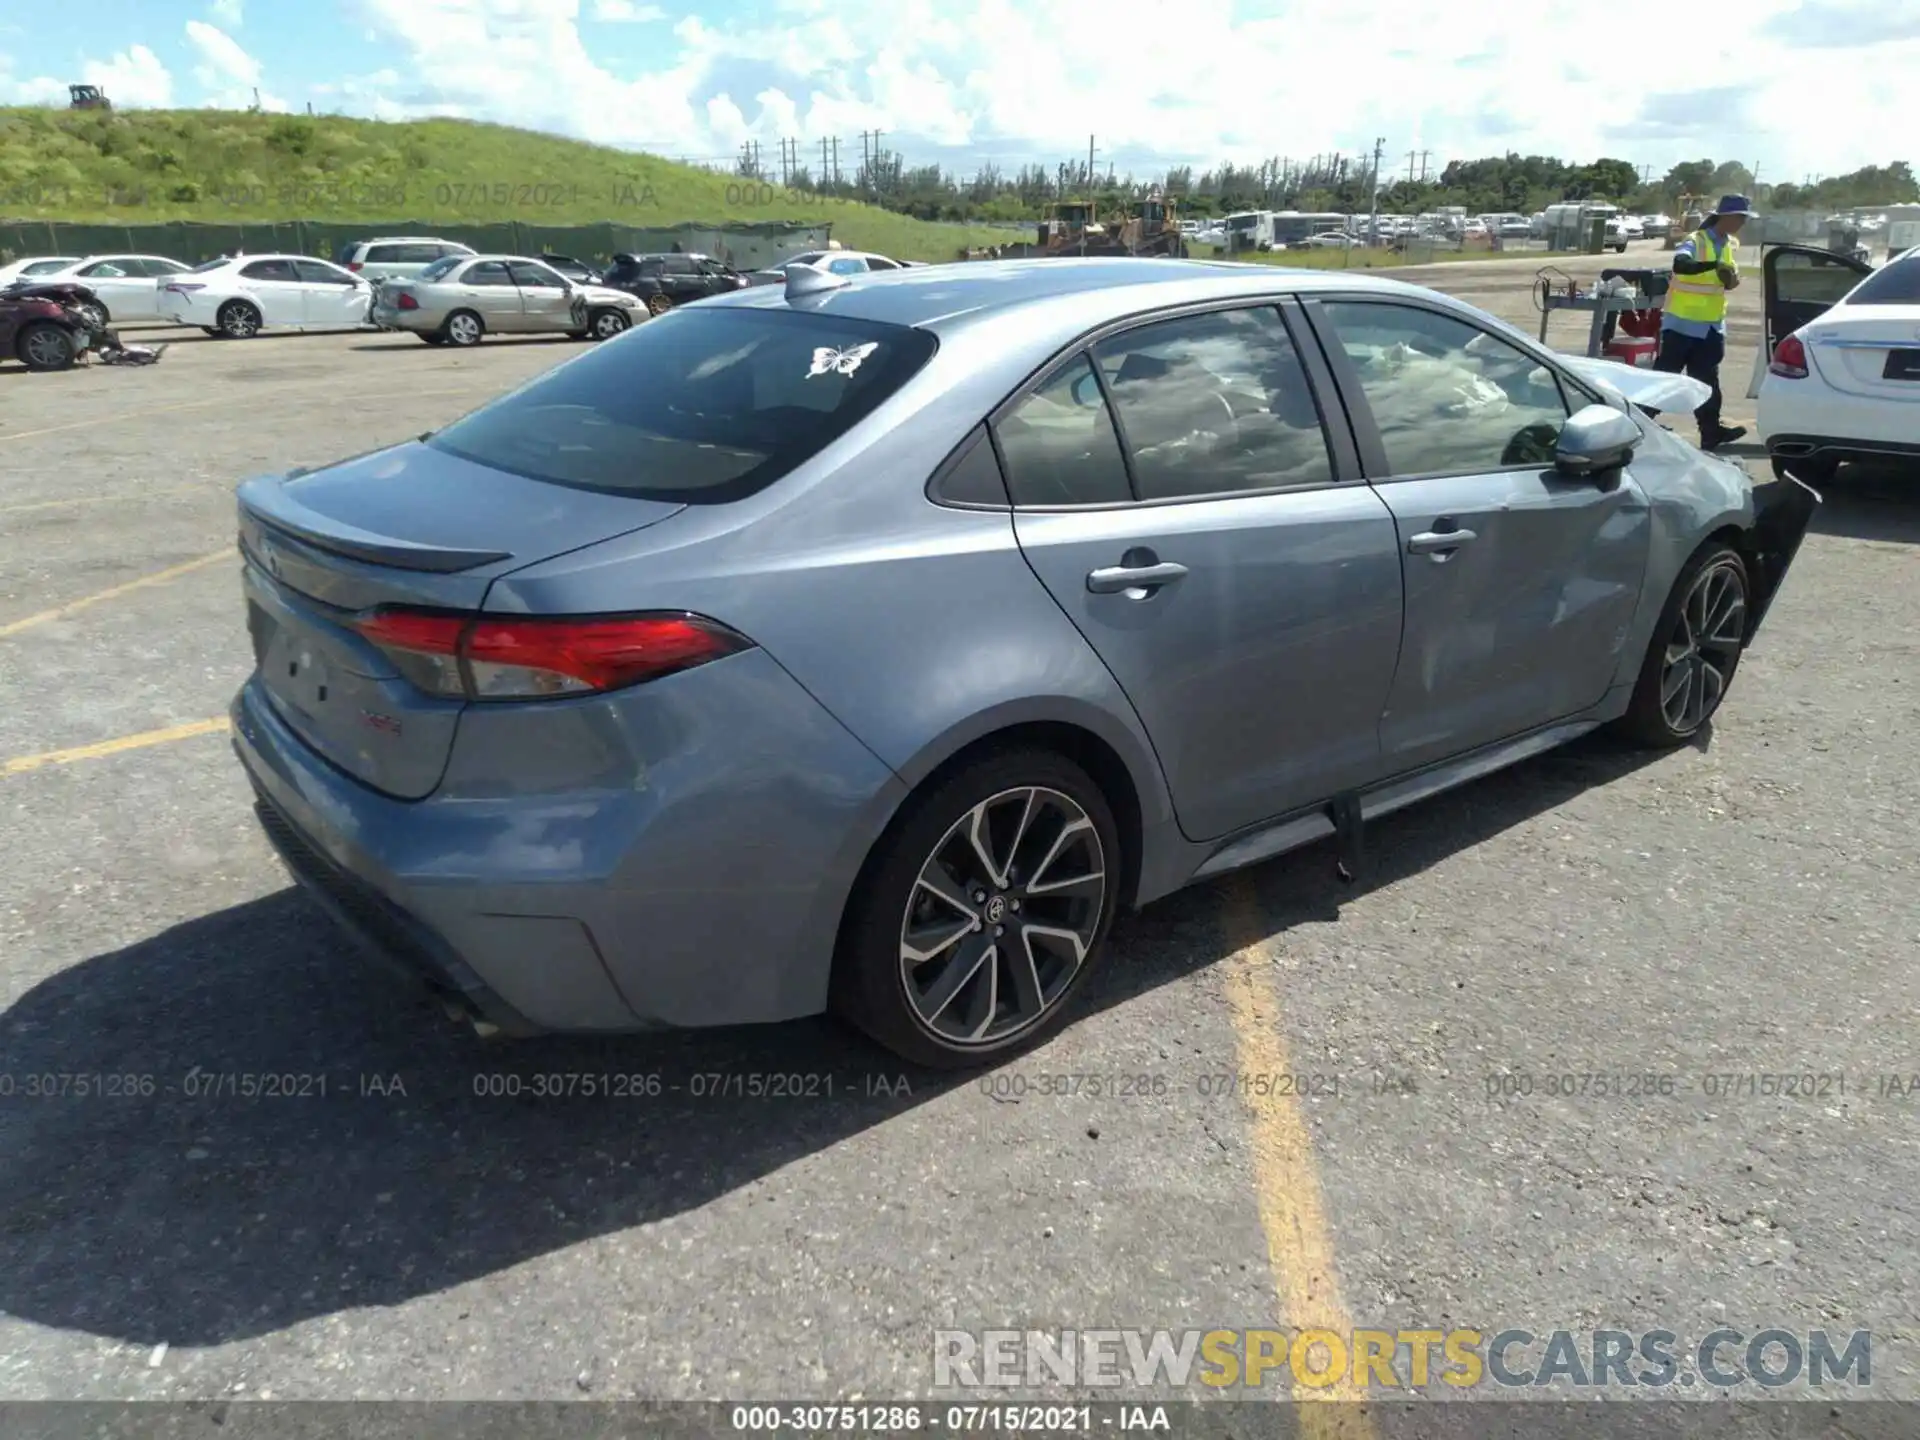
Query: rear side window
{"points": [[1895, 284], [1060, 446], [700, 406], [1215, 403], [440, 269], [270, 270]]}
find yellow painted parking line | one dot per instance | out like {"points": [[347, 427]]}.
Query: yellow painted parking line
{"points": [[119, 416], [151, 492], [1292, 1207], [74, 607], [115, 747]]}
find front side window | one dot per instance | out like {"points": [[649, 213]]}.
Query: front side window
{"points": [[847, 265], [1059, 444], [698, 406], [1215, 403], [1448, 398], [529, 276], [1803, 279]]}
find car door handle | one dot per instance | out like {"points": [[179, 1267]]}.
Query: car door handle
{"points": [[1438, 542], [1116, 578]]}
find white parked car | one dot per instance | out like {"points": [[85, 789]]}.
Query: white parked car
{"points": [[32, 267], [126, 288], [1843, 378], [241, 296], [1633, 227], [834, 262]]}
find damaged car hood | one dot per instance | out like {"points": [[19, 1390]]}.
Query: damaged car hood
{"points": [[1655, 389]]}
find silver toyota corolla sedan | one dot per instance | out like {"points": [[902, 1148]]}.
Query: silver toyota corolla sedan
{"points": [[869, 645]]}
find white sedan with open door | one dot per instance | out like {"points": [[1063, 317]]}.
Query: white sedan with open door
{"points": [[238, 298], [1842, 345]]}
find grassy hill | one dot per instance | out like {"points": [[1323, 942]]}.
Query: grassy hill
{"points": [[150, 166]]}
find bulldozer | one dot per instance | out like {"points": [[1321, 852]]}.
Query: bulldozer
{"points": [[1146, 227], [88, 97]]}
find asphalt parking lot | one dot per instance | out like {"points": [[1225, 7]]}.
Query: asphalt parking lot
{"points": [[1742, 908]]}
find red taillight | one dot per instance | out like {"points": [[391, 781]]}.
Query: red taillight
{"points": [[404, 301], [459, 657], [354, 265], [1789, 359]]}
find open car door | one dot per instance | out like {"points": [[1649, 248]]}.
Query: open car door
{"points": [[1801, 283]]}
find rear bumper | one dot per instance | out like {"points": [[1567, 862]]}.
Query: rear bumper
{"points": [[1785, 449], [698, 883], [1822, 422]]}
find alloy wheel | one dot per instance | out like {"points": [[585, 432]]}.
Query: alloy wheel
{"points": [[241, 322], [1705, 645], [1002, 916], [463, 330], [47, 348], [610, 324], [658, 304]]}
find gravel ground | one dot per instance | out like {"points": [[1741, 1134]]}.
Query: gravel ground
{"points": [[1742, 907]]}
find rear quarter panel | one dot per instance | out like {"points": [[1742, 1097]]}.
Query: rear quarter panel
{"points": [[920, 628]]}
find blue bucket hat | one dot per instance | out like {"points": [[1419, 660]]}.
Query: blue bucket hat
{"points": [[1733, 205]]}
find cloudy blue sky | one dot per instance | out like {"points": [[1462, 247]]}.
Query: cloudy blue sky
{"points": [[1797, 87]]}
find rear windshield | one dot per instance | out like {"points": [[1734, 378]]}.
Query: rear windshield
{"points": [[698, 406], [1895, 284]]}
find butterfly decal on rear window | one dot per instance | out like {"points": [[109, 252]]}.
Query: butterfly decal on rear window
{"points": [[828, 361]]}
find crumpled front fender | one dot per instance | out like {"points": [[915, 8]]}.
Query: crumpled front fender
{"points": [[1782, 512]]}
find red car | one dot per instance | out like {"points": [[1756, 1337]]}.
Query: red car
{"points": [[39, 330]]}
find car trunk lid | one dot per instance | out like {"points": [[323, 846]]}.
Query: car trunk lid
{"points": [[1877, 357], [407, 527]]}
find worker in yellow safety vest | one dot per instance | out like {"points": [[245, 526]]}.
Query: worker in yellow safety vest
{"points": [[1693, 324]]}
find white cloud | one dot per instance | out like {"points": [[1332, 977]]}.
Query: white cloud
{"points": [[228, 12], [228, 76], [625, 12], [1198, 82], [133, 78]]}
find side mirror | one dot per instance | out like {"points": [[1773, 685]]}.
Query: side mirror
{"points": [[1596, 440]]}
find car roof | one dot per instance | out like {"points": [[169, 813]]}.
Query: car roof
{"points": [[413, 240], [1073, 293]]}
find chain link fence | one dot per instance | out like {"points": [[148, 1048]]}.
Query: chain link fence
{"points": [[746, 247]]}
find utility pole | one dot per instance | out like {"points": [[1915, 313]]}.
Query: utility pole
{"points": [[835, 142], [1091, 152], [1373, 184], [1424, 155], [826, 172]]}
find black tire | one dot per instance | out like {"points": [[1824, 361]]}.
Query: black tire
{"points": [[870, 986], [1648, 723], [464, 328], [432, 338], [658, 304], [239, 320], [214, 331], [607, 323], [45, 346]]}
